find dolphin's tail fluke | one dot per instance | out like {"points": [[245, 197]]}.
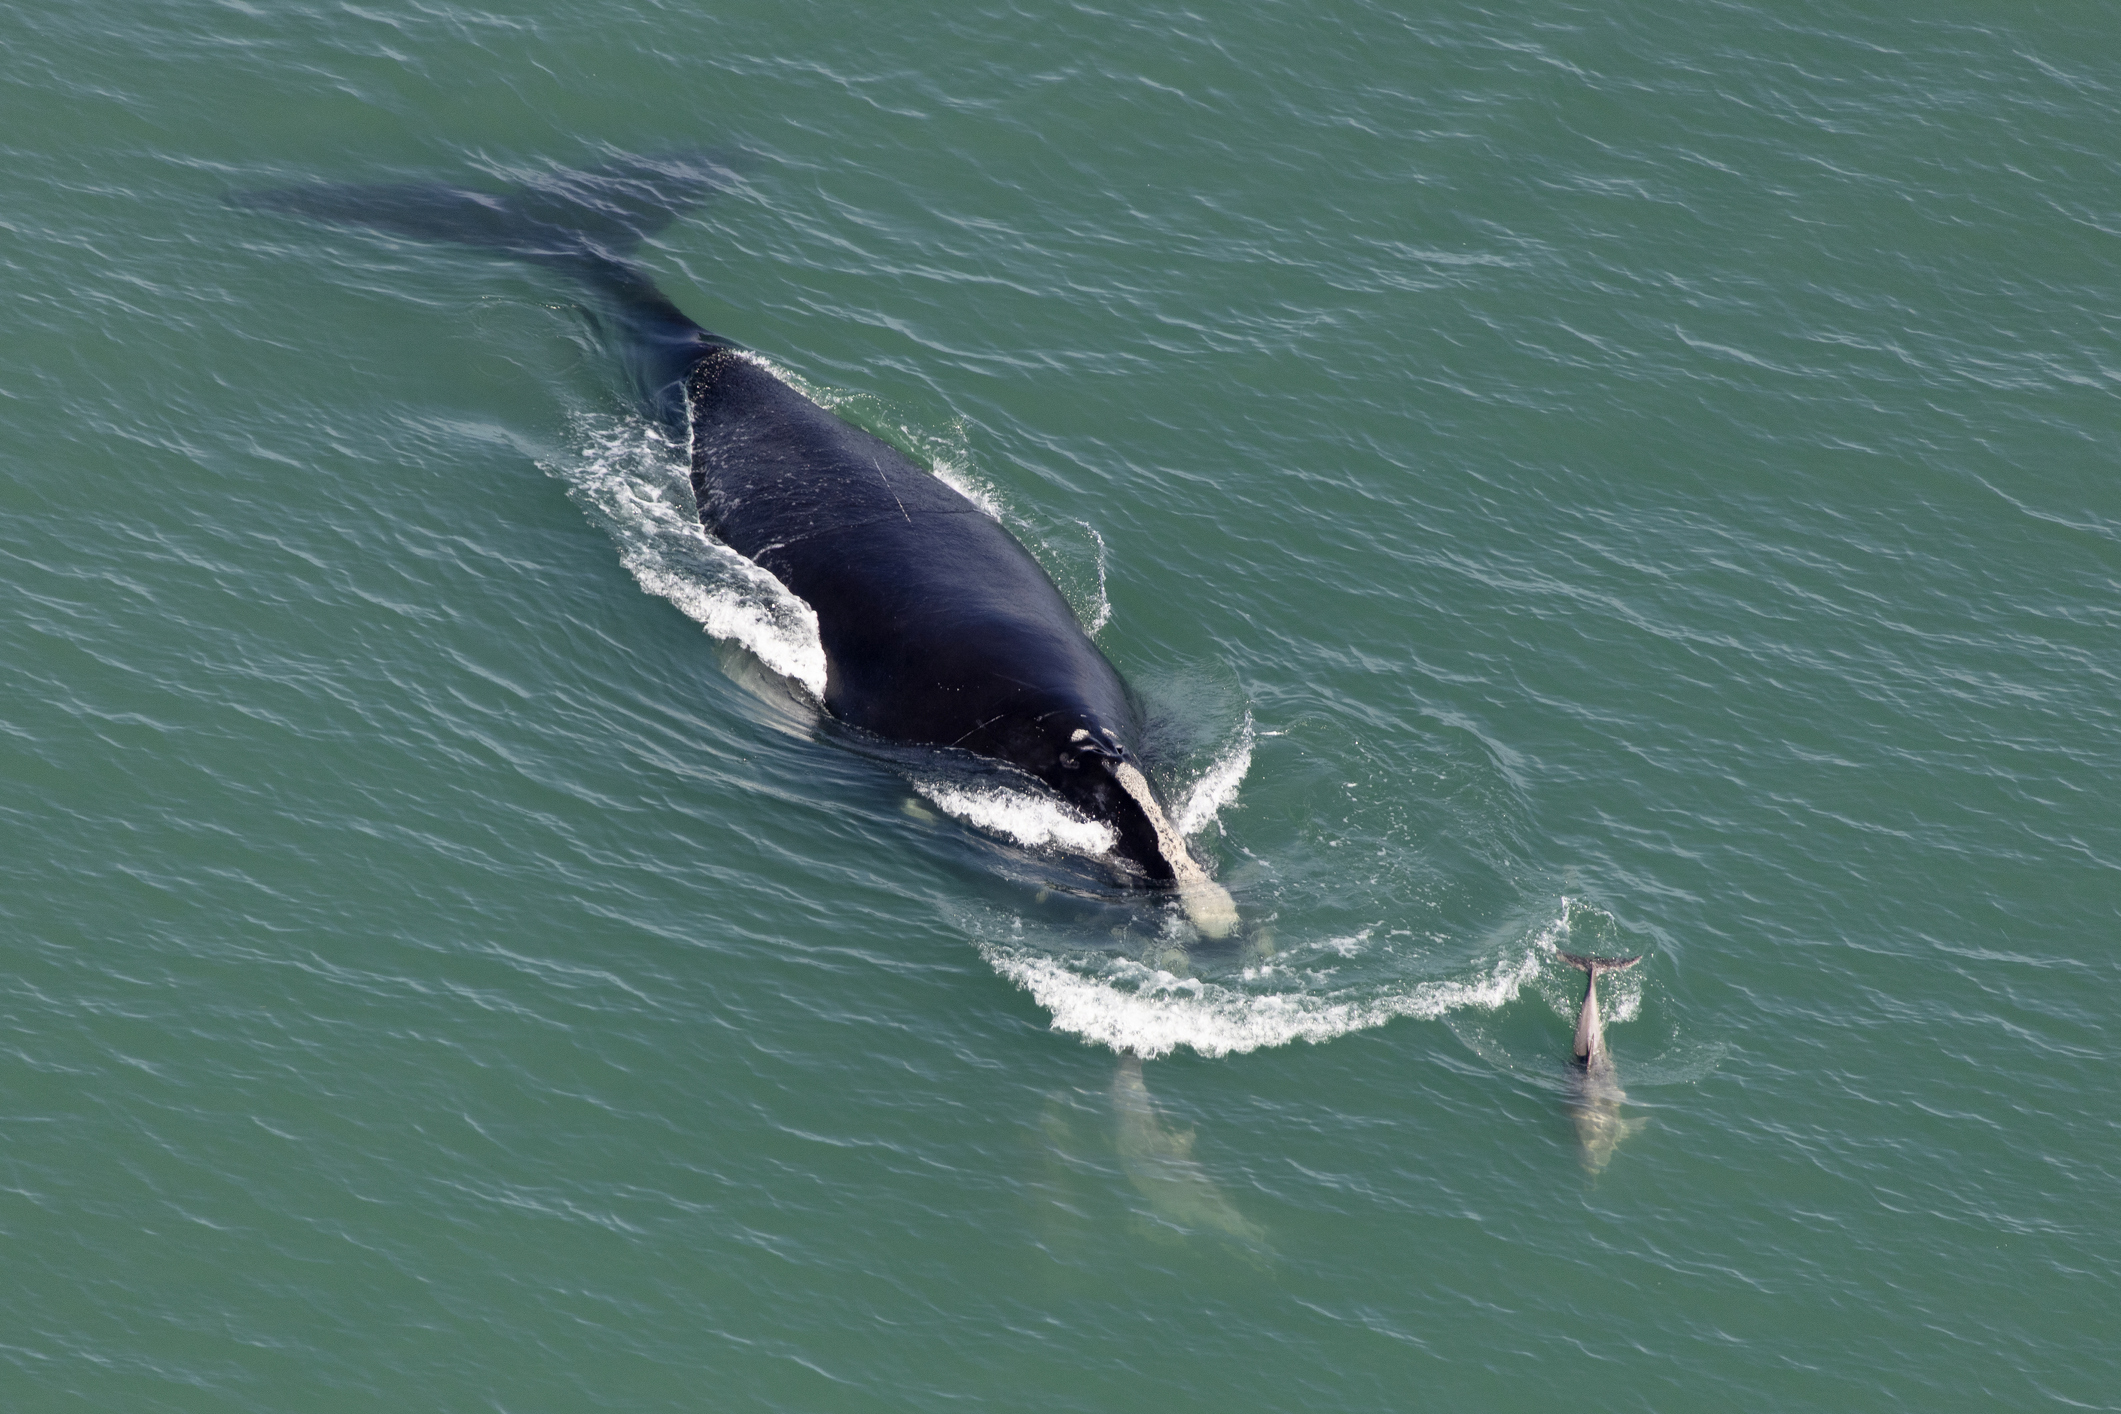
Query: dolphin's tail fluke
{"points": [[588, 223], [1599, 966]]}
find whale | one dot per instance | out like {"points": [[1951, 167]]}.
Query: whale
{"points": [[1597, 1097], [939, 629]]}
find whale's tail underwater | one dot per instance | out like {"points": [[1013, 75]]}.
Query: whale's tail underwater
{"points": [[1600, 1126], [586, 223]]}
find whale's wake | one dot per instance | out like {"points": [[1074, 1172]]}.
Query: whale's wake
{"points": [[1138, 1008], [634, 483]]}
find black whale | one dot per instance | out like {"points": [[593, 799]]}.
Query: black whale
{"points": [[939, 629]]}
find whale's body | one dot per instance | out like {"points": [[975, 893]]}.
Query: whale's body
{"points": [[938, 627]]}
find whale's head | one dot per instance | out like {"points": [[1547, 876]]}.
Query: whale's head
{"points": [[1090, 760], [1100, 776]]}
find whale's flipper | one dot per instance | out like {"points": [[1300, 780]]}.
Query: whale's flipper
{"points": [[587, 223]]}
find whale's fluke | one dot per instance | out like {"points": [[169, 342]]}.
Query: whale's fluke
{"points": [[602, 212], [1595, 965], [588, 223]]}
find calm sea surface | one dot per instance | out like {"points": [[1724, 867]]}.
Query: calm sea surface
{"points": [[1629, 478]]}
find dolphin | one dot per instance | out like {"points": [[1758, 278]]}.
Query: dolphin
{"points": [[1595, 1106], [1157, 1158], [939, 629]]}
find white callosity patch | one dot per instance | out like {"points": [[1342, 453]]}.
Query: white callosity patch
{"points": [[1136, 1008], [637, 485], [1206, 902], [1026, 816]]}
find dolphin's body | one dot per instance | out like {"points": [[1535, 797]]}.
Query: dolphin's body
{"points": [[1157, 1157], [939, 628], [1600, 1127]]}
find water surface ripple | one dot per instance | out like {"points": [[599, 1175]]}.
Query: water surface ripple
{"points": [[1571, 478]]}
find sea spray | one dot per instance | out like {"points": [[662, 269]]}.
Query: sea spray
{"points": [[1030, 816], [1101, 607], [1217, 786], [1134, 1006], [634, 482]]}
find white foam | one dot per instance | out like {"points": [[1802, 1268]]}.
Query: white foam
{"points": [[1350, 946], [1550, 938], [960, 481], [1132, 1007], [1101, 612], [636, 482], [1026, 816], [1042, 821], [1217, 785]]}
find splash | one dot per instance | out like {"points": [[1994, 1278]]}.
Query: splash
{"points": [[1137, 1008], [1026, 816], [1218, 784], [1101, 612], [1038, 820], [959, 480], [635, 483]]}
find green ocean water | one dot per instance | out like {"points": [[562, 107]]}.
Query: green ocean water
{"points": [[1617, 479]]}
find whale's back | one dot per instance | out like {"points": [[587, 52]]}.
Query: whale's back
{"points": [[938, 626]]}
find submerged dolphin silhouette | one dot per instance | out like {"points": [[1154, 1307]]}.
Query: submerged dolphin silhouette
{"points": [[1157, 1157], [1600, 1127], [939, 628]]}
